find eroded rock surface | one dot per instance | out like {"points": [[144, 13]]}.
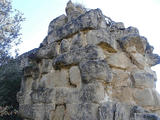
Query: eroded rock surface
{"points": [[89, 68]]}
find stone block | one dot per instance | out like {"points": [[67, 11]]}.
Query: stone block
{"points": [[92, 93], [26, 90], [114, 111], [139, 60], [149, 70], [77, 41], [156, 96], [27, 71], [143, 79], [118, 32], [139, 42], [43, 95], [121, 78], [144, 97], [26, 111], [61, 95], [95, 70], [24, 62], [102, 38], [60, 78], [57, 23], [73, 96], [27, 84], [119, 60], [84, 111], [58, 113], [48, 52], [36, 111], [92, 19], [75, 76], [46, 66], [67, 95], [64, 46], [146, 116], [123, 94], [55, 78], [20, 97], [74, 57]]}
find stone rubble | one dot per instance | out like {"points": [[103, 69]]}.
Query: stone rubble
{"points": [[89, 68]]}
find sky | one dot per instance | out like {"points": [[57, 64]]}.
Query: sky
{"points": [[142, 14]]}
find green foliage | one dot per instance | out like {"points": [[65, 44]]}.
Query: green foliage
{"points": [[10, 79], [10, 26], [10, 73]]}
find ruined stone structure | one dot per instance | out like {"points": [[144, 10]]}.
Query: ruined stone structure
{"points": [[90, 68]]}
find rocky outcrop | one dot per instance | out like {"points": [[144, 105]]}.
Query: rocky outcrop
{"points": [[90, 68]]}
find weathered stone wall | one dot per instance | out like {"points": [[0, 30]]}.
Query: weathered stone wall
{"points": [[90, 68]]}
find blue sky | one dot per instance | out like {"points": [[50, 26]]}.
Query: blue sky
{"points": [[143, 14], [38, 14]]}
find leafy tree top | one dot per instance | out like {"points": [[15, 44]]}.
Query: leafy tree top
{"points": [[10, 25]]}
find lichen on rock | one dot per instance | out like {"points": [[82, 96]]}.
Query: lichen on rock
{"points": [[89, 68]]}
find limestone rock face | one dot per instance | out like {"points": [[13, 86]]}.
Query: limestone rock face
{"points": [[89, 68]]}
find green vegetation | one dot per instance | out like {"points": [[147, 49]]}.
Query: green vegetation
{"points": [[10, 78], [10, 25], [10, 73]]}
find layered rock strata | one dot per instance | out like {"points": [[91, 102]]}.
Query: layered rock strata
{"points": [[90, 68]]}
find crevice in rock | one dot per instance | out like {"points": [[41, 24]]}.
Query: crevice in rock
{"points": [[85, 30], [132, 80], [57, 105], [133, 61], [114, 111], [59, 67], [106, 47], [70, 83], [69, 80], [116, 67], [59, 112]]}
